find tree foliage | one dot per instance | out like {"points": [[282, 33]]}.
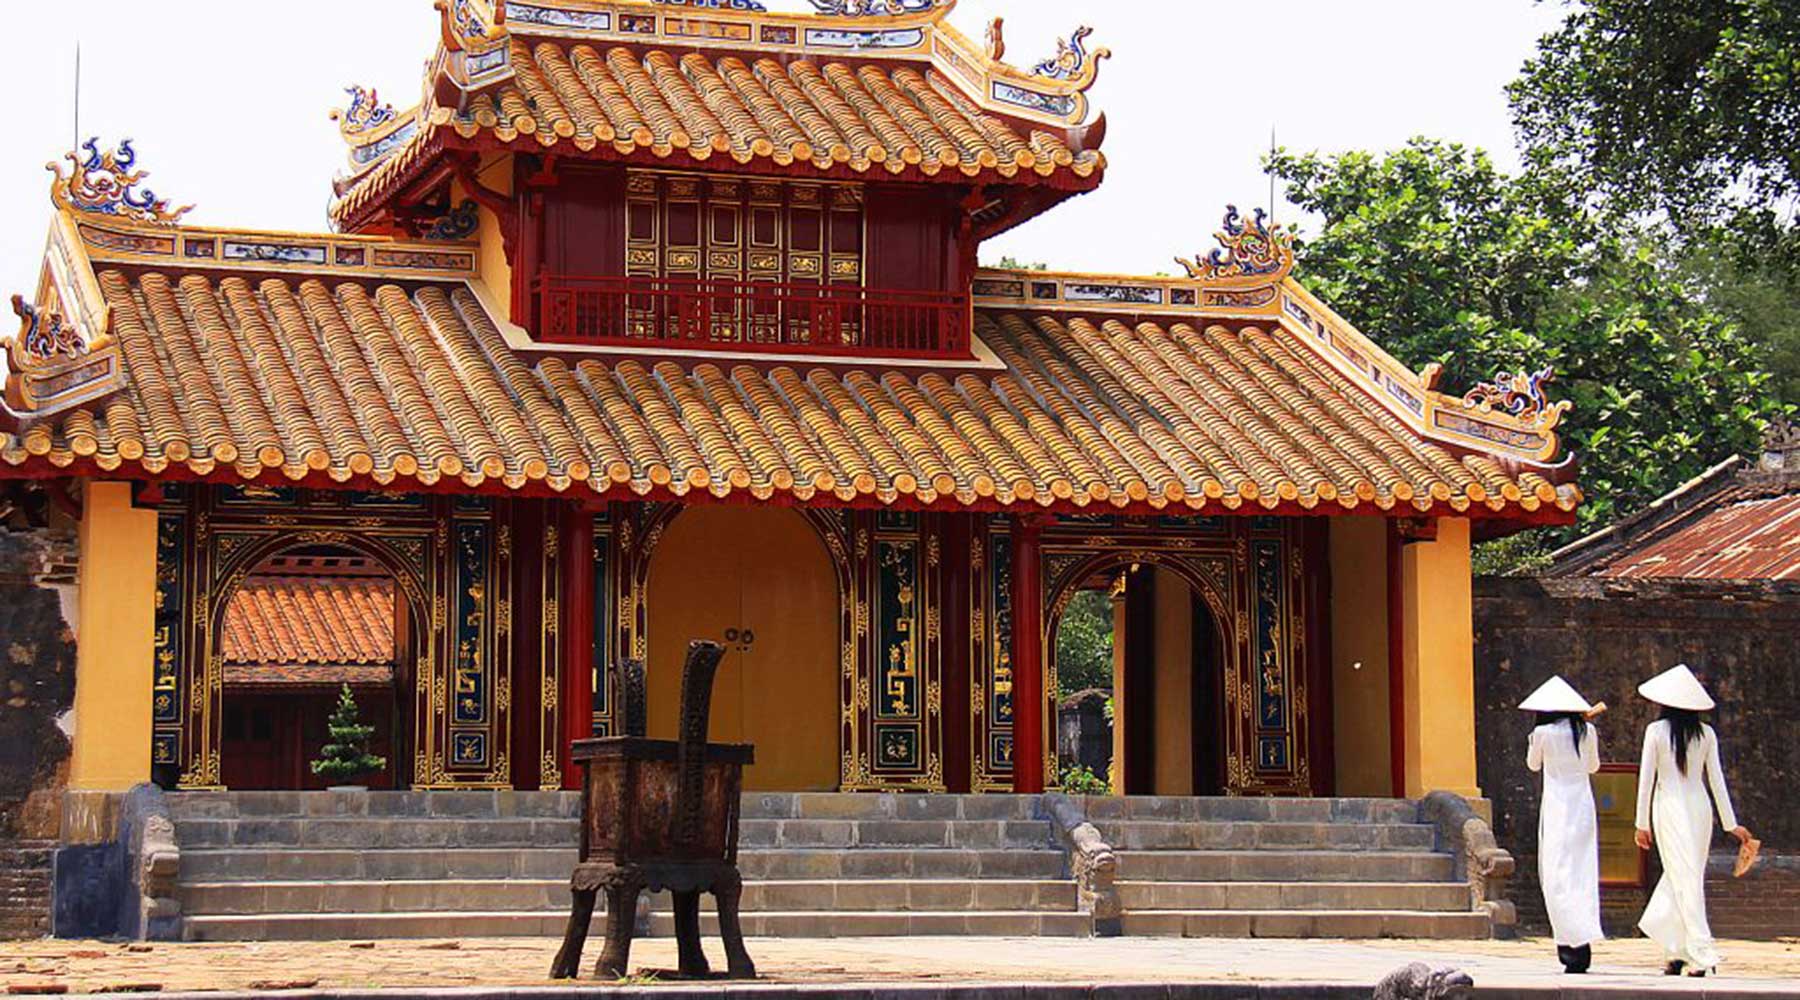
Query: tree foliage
{"points": [[1690, 107], [1084, 644], [1442, 257], [1686, 113]]}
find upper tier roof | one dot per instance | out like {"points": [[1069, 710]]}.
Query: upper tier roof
{"points": [[902, 96]]}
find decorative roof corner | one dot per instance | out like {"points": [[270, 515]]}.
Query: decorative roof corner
{"points": [[857, 8], [1520, 396], [1257, 252], [54, 365], [107, 183], [1073, 63], [372, 129]]}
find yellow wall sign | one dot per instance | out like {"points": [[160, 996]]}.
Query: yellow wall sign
{"points": [[1615, 804]]}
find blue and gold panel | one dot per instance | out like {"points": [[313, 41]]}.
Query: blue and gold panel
{"points": [[897, 747], [1269, 647], [165, 747], [171, 591], [386, 500], [468, 748], [1272, 753], [896, 623], [990, 657], [258, 496], [469, 624]]}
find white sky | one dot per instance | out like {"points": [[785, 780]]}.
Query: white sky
{"points": [[227, 101]]}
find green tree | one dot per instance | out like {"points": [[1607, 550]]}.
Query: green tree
{"points": [[346, 755], [1084, 642], [1690, 107], [1686, 112], [1442, 257]]}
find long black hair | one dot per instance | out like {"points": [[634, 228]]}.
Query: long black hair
{"points": [[1577, 724], [1684, 729]]}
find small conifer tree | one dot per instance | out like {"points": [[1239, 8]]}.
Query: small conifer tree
{"points": [[346, 752]]}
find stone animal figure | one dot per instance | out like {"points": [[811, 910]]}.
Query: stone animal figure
{"points": [[1418, 981]]}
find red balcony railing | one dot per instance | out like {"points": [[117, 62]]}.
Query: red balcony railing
{"points": [[750, 315]]}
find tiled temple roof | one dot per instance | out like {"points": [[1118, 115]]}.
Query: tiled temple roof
{"points": [[322, 379], [871, 118], [904, 97], [317, 620]]}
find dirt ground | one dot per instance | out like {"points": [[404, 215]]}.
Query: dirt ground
{"points": [[93, 966]]}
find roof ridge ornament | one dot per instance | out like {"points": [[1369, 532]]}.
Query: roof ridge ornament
{"points": [[874, 8], [1519, 395], [44, 335], [53, 365], [1255, 249], [367, 111], [1072, 60], [106, 183], [748, 6]]}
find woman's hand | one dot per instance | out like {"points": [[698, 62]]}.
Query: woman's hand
{"points": [[1644, 840], [1742, 834]]}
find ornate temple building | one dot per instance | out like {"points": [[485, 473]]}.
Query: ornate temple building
{"points": [[655, 321]]}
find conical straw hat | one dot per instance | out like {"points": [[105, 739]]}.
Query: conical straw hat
{"points": [[1677, 687], [1555, 695]]}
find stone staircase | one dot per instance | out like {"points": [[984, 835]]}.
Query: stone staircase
{"points": [[1339, 868], [279, 865], [322, 865]]}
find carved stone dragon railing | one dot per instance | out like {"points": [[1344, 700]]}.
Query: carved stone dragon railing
{"points": [[1091, 862], [1479, 858]]}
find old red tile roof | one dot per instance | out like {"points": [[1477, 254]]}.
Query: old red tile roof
{"points": [[339, 380], [333, 621]]}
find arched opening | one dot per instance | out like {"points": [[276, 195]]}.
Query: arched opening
{"points": [[301, 625], [1162, 678], [760, 581]]}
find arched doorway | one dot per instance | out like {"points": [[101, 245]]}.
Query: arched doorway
{"points": [[1166, 672], [299, 626], [758, 580]]}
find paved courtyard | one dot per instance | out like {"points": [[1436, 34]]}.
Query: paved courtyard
{"points": [[1626, 967]]}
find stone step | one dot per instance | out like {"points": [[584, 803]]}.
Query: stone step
{"points": [[1284, 866], [512, 895], [376, 832], [277, 864], [855, 833], [263, 864], [498, 804], [1241, 809], [550, 923], [1434, 897], [888, 805], [1182, 835], [1306, 923]]}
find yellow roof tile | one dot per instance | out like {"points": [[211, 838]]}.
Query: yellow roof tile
{"points": [[330, 380]]}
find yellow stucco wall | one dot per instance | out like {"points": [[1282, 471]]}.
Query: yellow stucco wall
{"points": [[496, 273], [1174, 686], [115, 641], [1359, 656], [1440, 663]]}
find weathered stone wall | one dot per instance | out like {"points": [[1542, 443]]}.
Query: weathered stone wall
{"points": [[37, 687], [1606, 637]]}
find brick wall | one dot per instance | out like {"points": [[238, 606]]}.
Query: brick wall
{"points": [[1606, 637], [37, 687]]}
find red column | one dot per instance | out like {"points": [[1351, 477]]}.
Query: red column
{"points": [[1396, 624], [1027, 656], [577, 630]]}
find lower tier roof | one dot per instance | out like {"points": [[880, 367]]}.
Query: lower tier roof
{"points": [[330, 381]]}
